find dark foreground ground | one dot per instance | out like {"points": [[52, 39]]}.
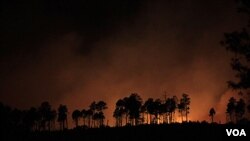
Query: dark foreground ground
{"points": [[185, 131]]}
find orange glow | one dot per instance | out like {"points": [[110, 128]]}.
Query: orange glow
{"points": [[153, 55]]}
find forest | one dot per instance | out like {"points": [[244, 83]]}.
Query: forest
{"points": [[137, 119]]}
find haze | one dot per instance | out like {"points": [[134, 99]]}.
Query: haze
{"points": [[81, 52]]}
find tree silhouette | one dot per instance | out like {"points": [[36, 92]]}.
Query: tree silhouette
{"points": [[174, 107], [96, 111], [133, 104], [119, 112], [154, 108], [52, 119], [126, 109], [89, 113], [157, 109], [211, 114], [31, 119], [84, 116], [62, 116], [231, 108], [149, 108], [184, 104], [240, 109], [143, 111], [100, 106], [92, 107], [100, 117], [95, 119], [181, 108], [75, 116], [170, 105], [47, 115], [238, 43], [118, 117]]}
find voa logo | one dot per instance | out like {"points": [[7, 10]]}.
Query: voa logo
{"points": [[236, 132]]}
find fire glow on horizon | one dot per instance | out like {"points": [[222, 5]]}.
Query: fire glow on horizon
{"points": [[161, 46]]}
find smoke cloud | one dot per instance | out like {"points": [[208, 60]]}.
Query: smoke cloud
{"points": [[156, 47]]}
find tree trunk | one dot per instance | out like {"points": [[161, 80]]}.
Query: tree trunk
{"points": [[117, 121], [147, 118], [83, 121], [143, 118], [66, 123], [186, 115], [63, 125], [150, 117], [181, 117], [120, 121], [89, 122], [126, 118], [173, 117], [76, 122], [49, 125]]}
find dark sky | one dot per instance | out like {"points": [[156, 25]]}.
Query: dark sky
{"points": [[75, 52]]}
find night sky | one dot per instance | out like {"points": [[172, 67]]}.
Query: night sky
{"points": [[75, 52]]}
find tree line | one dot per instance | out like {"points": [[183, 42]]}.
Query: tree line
{"points": [[128, 111], [132, 111], [236, 111], [35, 119], [44, 117]]}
